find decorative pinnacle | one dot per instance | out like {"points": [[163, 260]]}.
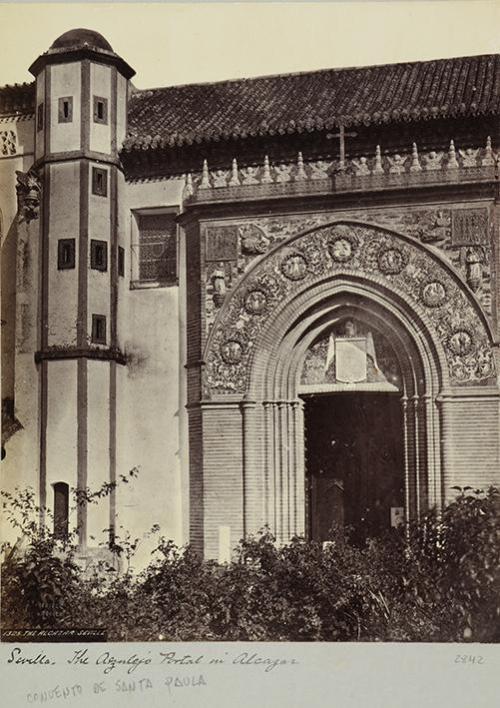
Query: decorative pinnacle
{"points": [[415, 162], [188, 186], [205, 177], [234, 180], [452, 157], [377, 168], [488, 158], [266, 174], [301, 173]]}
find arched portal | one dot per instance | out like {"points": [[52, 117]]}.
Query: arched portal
{"points": [[250, 421], [278, 381]]}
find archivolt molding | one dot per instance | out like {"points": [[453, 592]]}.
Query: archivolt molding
{"points": [[391, 262], [283, 374]]}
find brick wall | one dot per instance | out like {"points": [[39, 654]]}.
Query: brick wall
{"points": [[471, 430], [222, 475]]}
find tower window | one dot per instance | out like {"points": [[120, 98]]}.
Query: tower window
{"points": [[99, 182], [61, 510], [98, 329], [98, 255], [65, 253], [66, 109], [100, 110], [39, 117], [121, 261]]}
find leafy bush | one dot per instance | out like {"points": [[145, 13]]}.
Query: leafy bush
{"points": [[436, 580]]}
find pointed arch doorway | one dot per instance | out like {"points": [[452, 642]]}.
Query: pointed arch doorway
{"points": [[371, 391], [351, 385]]}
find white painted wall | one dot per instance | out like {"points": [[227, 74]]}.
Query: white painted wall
{"points": [[100, 85], [65, 81], [121, 110], [148, 417], [64, 223], [61, 427], [98, 447], [19, 277], [150, 408]]}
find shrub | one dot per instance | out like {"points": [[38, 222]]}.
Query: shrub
{"points": [[436, 580]]}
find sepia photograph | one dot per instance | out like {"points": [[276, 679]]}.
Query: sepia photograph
{"points": [[250, 308]]}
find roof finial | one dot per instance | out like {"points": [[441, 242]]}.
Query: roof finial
{"points": [[488, 158], [205, 177], [301, 173], [452, 163], [234, 180], [188, 186], [266, 174], [377, 168], [415, 162]]}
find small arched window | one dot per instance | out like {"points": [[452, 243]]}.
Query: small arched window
{"points": [[61, 510]]}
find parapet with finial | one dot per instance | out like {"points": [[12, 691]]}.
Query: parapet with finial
{"points": [[380, 170]]}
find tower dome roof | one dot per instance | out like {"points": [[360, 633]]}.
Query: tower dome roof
{"points": [[80, 37], [78, 44]]}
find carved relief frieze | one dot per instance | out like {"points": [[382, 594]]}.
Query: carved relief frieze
{"points": [[433, 294], [463, 239], [383, 257], [253, 240], [294, 266], [256, 302], [342, 248], [469, 227], [391, 261]]}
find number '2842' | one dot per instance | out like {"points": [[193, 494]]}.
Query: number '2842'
{"points": [[469, 659]]}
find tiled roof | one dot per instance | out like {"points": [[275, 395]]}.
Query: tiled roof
{"points": [[290, 103], [17, 99]]}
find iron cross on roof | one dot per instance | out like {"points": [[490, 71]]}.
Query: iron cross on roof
{"points": [[342, 135]]}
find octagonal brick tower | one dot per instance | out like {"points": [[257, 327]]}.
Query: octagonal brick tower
{"points": [[81, 108]]}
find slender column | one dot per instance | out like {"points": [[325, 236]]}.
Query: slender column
{"points": [[268, 463], [290, 470], [404, 403], [299, 477], [82, 449], [43, 309], [293, 468], [276, 471], [43, 440], [432, 458], [283, 437], [416, 414], [112, 449]]}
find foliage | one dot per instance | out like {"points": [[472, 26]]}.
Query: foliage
{"points": [[436, 580]]}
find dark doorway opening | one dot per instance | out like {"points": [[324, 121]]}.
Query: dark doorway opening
{"points": [[354, 464]]}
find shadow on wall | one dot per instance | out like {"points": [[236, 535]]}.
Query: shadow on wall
{"points": [[136, 359]]}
